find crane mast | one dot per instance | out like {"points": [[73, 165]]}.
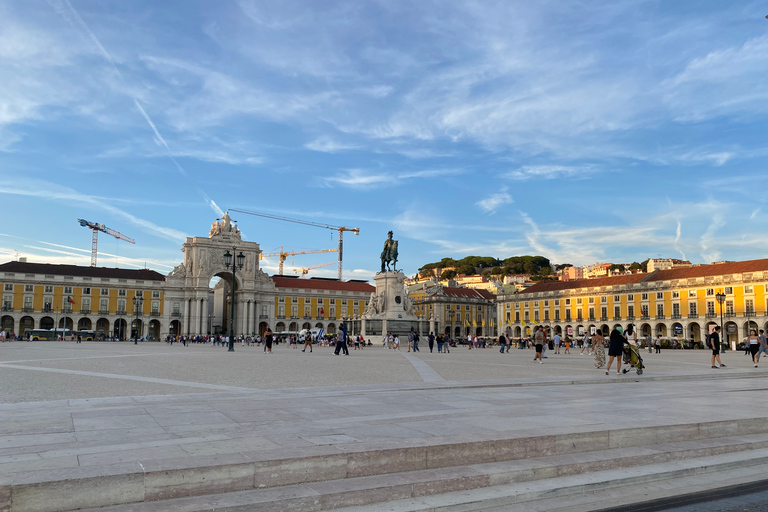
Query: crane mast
{"points": [[95, 238], [282, 256], [339, 229]]}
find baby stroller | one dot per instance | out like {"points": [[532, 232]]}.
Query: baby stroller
{"points": [[632, 359]]}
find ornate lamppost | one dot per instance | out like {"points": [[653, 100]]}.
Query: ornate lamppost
{"points": [[233, 265], [138, 302], [720, 297]]}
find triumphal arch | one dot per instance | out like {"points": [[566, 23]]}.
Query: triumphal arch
{"points": [[194, 307]]}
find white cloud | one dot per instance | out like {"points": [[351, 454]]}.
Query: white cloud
{"points": [[360, 178], [327, 145], [547, 172], [495, 201]]}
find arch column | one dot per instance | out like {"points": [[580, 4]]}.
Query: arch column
{"points": [[204, 322], [185, 323]]}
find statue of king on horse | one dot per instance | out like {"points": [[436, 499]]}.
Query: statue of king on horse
{"points": [[389, 254]]}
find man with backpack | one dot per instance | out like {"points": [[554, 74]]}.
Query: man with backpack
{"points": [[714, 344]]}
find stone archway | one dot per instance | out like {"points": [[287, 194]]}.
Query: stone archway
{"points": [[694, 332], [66, 323], [294, 326], [7, 324], [154, 330], [27, 323], [102, 327], [174, 329], [457, 332], [331, 329], [306, 325], [447, 330], [120, 329], [137, 328], [280, 327], [46, 322], [749, 324], [84, 324], [661, 330]]}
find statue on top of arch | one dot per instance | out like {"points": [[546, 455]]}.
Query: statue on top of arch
{"points": [[224, 228]]}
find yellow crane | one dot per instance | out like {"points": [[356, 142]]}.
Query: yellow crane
{"points": [[282, 255], [340, 229], [304, 271]]}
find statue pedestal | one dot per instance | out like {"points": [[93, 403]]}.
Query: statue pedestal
{"points": [[393, 308]]}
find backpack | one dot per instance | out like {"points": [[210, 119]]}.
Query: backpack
{"points": [[708, 341]]}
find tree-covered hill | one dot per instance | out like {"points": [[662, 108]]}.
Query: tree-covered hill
{"points": [[486, 265]]}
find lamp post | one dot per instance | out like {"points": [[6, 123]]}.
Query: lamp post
{"points": [[138, 302], [721, 299], [234, 265]]}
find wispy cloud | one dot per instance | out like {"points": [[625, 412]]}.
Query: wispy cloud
{"points": [[328, 145], [495, 201], [547, 172], [361, 178]]}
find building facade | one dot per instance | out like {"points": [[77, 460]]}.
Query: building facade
{"points": [[44, 296], [454, 311], [676, 303]]}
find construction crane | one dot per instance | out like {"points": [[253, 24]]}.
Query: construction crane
{"points": [[283, 255], [340, 229], [304, 271], [95, 240]]}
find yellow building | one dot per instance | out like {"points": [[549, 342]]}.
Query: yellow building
{"points": [[678, 303], [318, 303], [44, 296], [454, 311]]}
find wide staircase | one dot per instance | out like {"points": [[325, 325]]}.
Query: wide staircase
{"points": [[573, 471]]}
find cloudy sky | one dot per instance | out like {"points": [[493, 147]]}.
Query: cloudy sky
{"points": [[611, 130]]}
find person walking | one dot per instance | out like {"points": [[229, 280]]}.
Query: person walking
{"points": [[341, 342], [416, 342], [763, 345], [556, 340], [538, 340], [657, 343], [268, 340], [567, 344], [584, 344], [307, 342], [431, 341], [615, 349], [502, 342], [597, 348], [754, 345], [439, 343], [546, 343], [714, 343]]}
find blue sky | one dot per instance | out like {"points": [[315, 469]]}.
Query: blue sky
{"points": [[581, 131]]}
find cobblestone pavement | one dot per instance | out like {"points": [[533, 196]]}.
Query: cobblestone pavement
{"points": [[43, 371]]}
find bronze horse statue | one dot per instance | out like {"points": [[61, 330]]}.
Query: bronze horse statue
{"points": [[389, 254]]}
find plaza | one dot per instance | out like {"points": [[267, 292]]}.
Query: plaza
{"points": [[167, 427]]}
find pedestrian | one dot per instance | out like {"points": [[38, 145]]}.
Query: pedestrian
{"points": [[502, 342], [439, 343], [657, 343], [447, 344], [268, 340], [597, 348], [546, 344], [567, 344], [556, 340], [357, 342], [396, 342], [307, 342], [649, 340], [615, 350], [416, 342], [341, 342], [431, 341], [754, 345], [584, 344], [763, 345], [714, 344], [538, 340]]}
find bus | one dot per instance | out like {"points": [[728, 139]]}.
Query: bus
{"points": [[85, 335], [47, 334]]}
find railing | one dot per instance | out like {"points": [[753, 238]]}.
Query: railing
{"points": [[617, 317], [155, 314], [85, 311], [645, 317], [730, 314], [67, 309], [122, 312], [591, 319], [307, 317], [630, 317], [7, 308], [710, 315], [104, 311], [660, 317], [28, 310], [603, 318], [263, 316], [676, 316], [693, 315], [320, 317], [749, 313], [176, 314]]}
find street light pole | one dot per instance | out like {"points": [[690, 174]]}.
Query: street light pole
{"points": [[138, 302], [721, 299], [230, 262]]}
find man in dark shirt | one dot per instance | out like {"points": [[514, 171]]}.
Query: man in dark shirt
{"points": [[341, 344], [714, 342]]}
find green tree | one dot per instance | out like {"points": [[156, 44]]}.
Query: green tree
{"points": [[636, 266]]}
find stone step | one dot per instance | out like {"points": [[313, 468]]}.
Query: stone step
{"points": [[531, 478]]}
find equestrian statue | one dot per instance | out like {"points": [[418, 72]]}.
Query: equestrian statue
{"points": [[389, 254]]}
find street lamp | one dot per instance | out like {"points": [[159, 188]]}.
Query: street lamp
{"points": [[720, 297], [138, 302], [229, 263]]}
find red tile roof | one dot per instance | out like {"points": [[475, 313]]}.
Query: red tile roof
{"points": [[718, 269], [322, 284], [23, 267], [552, 286]]}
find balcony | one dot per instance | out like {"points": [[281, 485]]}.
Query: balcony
{"points": [[710, 315], [307, 317], [28, 309], [660, 317], [176, 314], [263, 316], [84, 311], [645, 317], [294, 317], [617, 317], [7, 307], [320, 317], [730, 314], [676, 316], [630, 317], [591, 319], [603, 318], [749, 313], [693, 315], [155, 314], [67, 309], [280, 317]]}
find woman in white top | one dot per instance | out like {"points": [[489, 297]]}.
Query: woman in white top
{"points": [[754, 345]]}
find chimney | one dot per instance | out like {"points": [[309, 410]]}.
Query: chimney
{"points": [[23, 259]]}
